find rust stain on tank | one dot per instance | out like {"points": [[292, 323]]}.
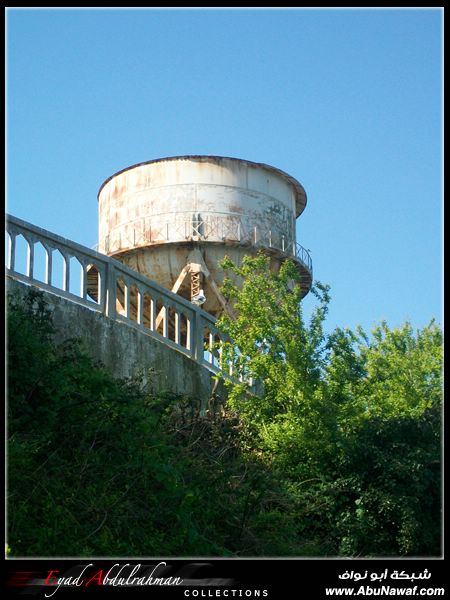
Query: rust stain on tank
{"points": [[236, 208], [153, 214]]}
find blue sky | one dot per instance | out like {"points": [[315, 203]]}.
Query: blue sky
{"points": [[349, 102]]}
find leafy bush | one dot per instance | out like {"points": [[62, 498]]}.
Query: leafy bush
{"points": [[340, 456], [350, 423]]}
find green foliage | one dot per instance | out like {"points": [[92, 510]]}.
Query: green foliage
{"points": [[268, 312], [349, 423], [338, 456], [99, 467]]}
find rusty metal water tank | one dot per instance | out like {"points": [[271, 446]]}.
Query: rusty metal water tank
{"points": [[174, 219]]}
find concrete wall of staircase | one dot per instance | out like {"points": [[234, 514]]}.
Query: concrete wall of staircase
{"points": [[126, 350], [127, 321]]}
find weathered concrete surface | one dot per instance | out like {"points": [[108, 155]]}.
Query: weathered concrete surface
{"points": [[158, 198], [125, 350], [154, 214]]}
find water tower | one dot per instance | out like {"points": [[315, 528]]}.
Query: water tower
{"points": [[174, 219]]}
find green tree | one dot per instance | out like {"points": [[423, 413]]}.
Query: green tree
{"points": [[338, 455], [272, 344], [350, 422], [97, 466], [387, 392]]}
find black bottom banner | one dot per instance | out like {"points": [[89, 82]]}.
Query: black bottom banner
{"points": [[206, 578]]}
